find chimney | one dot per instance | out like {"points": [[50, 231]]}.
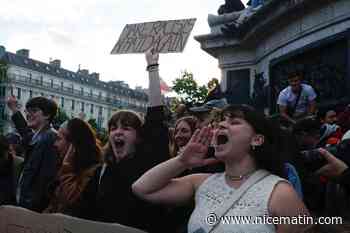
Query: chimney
{"points": [[2, 51], [84, 72], [95, 75], [23, 53], [56, 63]]}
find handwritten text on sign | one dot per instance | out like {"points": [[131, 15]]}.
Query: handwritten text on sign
{"points": [[165, 36]]}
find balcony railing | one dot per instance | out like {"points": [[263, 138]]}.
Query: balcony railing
{"points": [[124, 101]]}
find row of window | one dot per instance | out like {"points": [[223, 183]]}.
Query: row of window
{"points": [[114, 98], [82, 104], [52, 85], [18, 94]]}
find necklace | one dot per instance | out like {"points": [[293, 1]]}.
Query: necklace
{"points": [[239, 177]]}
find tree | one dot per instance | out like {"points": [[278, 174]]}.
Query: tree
{"points": [[188, 89], [60, 118], [92, 122]]}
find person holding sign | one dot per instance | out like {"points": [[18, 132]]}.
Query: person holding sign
{"points": [[134, 146], [251, 186]]}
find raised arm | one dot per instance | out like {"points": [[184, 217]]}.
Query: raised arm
{"points": [[312, 107], [284, 114], [159, 184], [154, 82], [19, 121]]}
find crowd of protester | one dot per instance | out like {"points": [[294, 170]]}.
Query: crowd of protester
{"points": [[215, 158]]}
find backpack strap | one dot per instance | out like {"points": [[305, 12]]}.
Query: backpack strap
{"points": [[294, 107]]}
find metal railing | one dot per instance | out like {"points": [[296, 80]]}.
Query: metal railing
{"points": [[53, 87]]}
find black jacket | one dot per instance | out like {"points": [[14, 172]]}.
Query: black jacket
{"points": [[344, 180], [112, 200], [7, 183], [40, 165]]}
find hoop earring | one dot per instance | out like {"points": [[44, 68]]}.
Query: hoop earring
{"points": [[253, 147]]}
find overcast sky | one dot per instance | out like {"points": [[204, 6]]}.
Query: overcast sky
{"points": [[85, 31]]}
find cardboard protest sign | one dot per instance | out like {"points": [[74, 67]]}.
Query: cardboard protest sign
{"points": [[19, 220], [164, 36]]}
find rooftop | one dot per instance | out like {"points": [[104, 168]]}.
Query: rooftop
{"points": [[117, 87]]}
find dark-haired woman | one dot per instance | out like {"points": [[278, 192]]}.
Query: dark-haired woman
{"points": [[134, 147], [77, 144], [251, 185]]}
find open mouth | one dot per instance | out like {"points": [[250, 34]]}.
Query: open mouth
{"points": [[119, 143], [181, 141], [221, 139]]}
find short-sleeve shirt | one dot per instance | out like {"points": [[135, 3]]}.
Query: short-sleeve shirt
{"points": [[288, 98]]}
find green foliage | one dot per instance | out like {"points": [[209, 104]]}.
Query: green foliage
{"points": [[188, 89], [92, 122], [101, 134], [60, 118]]}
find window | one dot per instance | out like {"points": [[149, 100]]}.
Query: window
{"points": [[100, 110], [99, 95], [73, 105], [91, 92], [11, 90], [51, 84], [41, 80], [82, 106], [30, 77], [19, 92], [92, 109], [62, 102], [61, 85], [30, 94], [2, 91], [42, 94], [82, 91]]}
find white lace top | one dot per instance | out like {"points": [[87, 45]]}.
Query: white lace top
{"points": [[213, 193]]}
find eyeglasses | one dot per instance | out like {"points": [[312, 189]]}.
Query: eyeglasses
{"points": [[31, 110]]}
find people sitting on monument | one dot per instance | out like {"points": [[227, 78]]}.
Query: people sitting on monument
{"points": [[296, 101], [251, 185], [80, 153], [40, 163]]}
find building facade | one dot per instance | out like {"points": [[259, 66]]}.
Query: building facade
{"points": [[78, 94], [283, 36]]}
